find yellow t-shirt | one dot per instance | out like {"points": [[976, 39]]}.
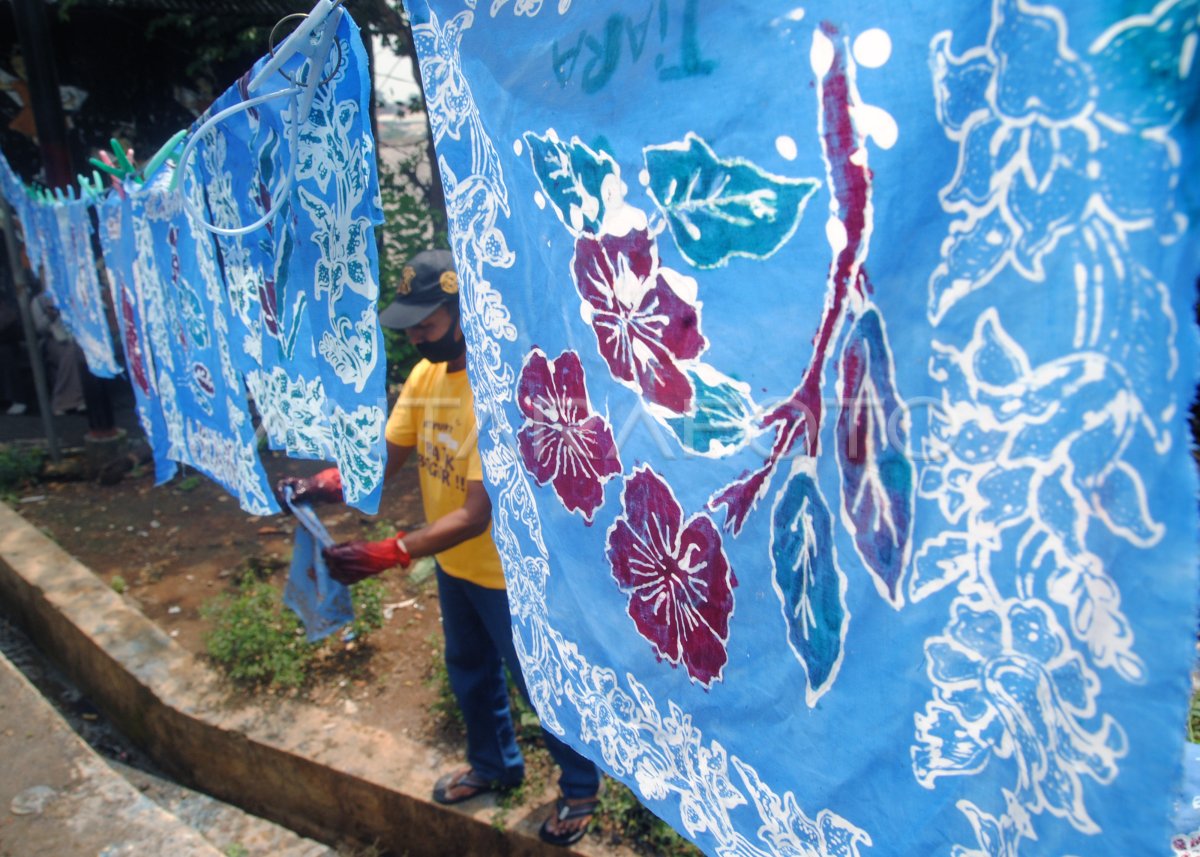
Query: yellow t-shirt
{"points": [[435, 413]]}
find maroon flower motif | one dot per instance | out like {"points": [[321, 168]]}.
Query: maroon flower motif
{"points": [[677, 577], [642, 324], [562, 442]]}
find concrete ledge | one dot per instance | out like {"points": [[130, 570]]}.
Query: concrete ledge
{"points": [[319, 774]]}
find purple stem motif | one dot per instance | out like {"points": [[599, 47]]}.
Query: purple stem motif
{"points": [[642, 325], [266, 300], [799, 416], [266, 289], [677, 576], [243, 85], [562, 442], [176, 273], [133, 348]]}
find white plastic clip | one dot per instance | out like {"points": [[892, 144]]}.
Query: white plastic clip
{"points": [[293, 43], [301, 95]]}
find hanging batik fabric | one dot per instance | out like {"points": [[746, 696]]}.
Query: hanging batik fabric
{"points": [[13, 190], [10, 183], [120, 254], [58, 242], [832, 363], [177, 319], [303, 287], [73, 283]]}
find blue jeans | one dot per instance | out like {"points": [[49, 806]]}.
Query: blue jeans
{"points": [[478, 631]]}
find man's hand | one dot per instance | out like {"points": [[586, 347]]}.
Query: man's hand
{"points": [[351, 562], [323, 487]]}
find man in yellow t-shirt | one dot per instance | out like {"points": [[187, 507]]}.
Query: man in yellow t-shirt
{"points": [[435, 417]]}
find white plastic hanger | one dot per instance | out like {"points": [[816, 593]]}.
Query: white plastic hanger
{"points": [[300, 93]]}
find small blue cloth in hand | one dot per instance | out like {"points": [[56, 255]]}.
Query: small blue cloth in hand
{"points": [[323, 604]]}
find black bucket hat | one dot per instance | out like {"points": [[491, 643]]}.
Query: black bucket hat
{"points": [[428, 282]]}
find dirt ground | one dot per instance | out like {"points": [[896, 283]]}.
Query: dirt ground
{"points": [[178, 545]]}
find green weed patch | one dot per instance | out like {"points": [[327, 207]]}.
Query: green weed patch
{"points": [[256, 640]]}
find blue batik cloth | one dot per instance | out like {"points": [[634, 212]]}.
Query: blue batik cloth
{"points": [[72, 281], [22, 205], [285, 313], [177, 316], [117, 243], [832, 365], [58, 242], [11, 186], [303, 288], [323, 604]]}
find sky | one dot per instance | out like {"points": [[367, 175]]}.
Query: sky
{"points": [[394, 79]]}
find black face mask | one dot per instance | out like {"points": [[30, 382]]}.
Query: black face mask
{"points": [[443, 349]]}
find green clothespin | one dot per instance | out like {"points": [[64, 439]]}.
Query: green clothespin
{"points": [[90, 188], [112, 171], [169, 149], [105, 163], [123, 160]]}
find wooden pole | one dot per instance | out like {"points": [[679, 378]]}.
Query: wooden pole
{"points": [[41, 73]]}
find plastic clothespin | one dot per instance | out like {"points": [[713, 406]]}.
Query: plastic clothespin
{"points": [[123, 159], [90, 188], [169, 149], [106, 167], [105, 163], [293, 43], [119, 167]]}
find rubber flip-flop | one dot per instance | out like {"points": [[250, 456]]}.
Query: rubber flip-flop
{"points": [[466, 779], [568, 812]]}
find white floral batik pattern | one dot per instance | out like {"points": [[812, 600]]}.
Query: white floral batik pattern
{"points": [[1029, 462], [1050, 159]]}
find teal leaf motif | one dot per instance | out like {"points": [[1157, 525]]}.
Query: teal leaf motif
{"points": [[572, 176], [810, 586], [723, 417], [718, 208], [878, 484]]}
